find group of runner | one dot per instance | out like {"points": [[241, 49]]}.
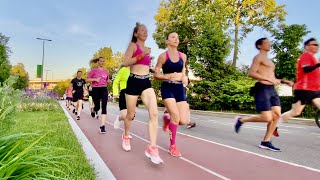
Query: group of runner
{"points": [[267, 101], [134, 80]]}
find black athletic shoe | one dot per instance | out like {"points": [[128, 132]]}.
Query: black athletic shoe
{"points": [[74, 111], [78, 117], [238, 124], [93, 114], [102, 129], [269, 146]]}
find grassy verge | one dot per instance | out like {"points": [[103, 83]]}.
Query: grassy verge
{"points": [[59, 135]]}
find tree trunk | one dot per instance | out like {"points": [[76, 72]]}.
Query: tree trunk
{"points": [[236, 35], [236, 47]]}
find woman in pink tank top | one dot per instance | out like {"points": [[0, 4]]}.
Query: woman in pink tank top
{"points": [[99, 78], [137, 57]]}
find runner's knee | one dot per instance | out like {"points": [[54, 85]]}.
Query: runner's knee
{"points": [[267, 117], [153, 114], [130, 115]]}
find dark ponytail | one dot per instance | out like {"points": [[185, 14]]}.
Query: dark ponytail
{"points": [[134, 39]]}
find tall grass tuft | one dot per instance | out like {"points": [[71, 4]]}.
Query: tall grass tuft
{"points": [[21, 161]]}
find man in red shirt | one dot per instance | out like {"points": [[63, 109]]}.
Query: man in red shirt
{"points": [[307, 86]]}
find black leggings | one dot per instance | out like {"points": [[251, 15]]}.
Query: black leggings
{"points": [[100, 94]]}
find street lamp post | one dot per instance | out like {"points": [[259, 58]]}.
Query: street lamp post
{"points": [[43, 42]]}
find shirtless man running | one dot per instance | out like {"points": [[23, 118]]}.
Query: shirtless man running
{"points": [[266, 98]]}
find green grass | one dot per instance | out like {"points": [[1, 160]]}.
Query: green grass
{"points": [[59, 135]]}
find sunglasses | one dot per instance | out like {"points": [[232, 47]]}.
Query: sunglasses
{"points": [[314, 44]]}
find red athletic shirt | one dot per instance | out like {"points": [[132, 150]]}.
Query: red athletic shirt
{"points": [[307, 81]]}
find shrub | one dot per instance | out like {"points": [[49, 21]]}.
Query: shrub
{"points": [[38, 104], [9, 97]]}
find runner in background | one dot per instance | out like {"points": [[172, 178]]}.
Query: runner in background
{"points": [[77, 87], [99, 78], [69, 96]]}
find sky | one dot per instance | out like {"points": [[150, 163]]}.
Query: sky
{"points": [[79, 28]]}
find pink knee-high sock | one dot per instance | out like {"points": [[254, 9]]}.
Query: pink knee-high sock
{"points": [[173, 133]]}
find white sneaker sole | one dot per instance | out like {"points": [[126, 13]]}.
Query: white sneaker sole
{"points": [[126, 149], [153, 160], [265, 147]]}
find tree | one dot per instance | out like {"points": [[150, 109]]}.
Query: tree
{"points": [[4, 64], [286, 48], [244, 15], [61, 87], [4, 41], [23, 77], [201, 26]]}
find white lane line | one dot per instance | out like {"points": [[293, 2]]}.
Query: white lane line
{"points": [[317, 134], [238, 149], [297, 127], [245, 126], [182, 158]]}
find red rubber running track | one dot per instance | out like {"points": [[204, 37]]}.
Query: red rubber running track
{"points": [[201, 159]]}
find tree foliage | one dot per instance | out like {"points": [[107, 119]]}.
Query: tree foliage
{"points": [[4, 64], [201, 25], [4, 42], [61, 87], [244, 15], [23, 76], [286, 48]]}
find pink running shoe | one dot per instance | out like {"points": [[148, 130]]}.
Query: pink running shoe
{"points": [[126, 143], [153, 154], [173, 150]]}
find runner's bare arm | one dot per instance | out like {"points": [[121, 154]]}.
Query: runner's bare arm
{"points": [[128, 60], [185, 78], [90, 77], [157, 71]]}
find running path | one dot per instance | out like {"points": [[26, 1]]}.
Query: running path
{"points": [[201, 159]]}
